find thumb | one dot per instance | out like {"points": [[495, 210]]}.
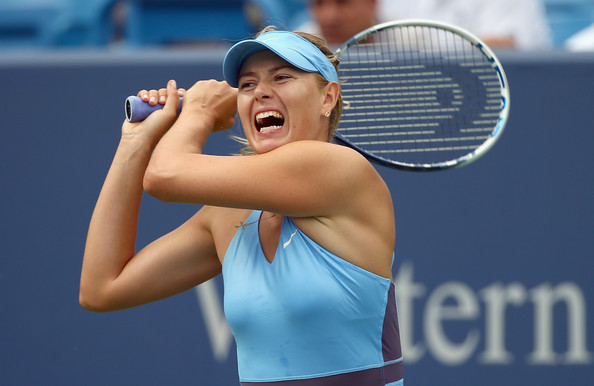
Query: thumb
{"points": [[172, 102]]}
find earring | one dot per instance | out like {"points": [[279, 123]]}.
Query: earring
{"points": [[327, 114]]}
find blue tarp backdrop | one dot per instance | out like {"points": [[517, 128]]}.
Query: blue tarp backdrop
{"points": [[494, 260]]}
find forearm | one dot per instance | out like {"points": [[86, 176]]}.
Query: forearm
{"points": [[112, 231], [188, 135], [208, 106], [175, 153]]}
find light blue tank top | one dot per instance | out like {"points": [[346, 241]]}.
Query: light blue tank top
{"points": [[308, 314]]}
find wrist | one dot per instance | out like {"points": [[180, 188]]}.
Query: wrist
{"points": [[131, 146], [198, 113], [191, 131]]}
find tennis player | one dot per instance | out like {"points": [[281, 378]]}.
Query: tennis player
{"points": [[302, 230]]}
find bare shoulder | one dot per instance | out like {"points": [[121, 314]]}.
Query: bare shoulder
{"points": [[360, 227], [318, 151], [339, 166], [361, 179]]}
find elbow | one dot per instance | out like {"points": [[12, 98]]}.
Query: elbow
{"points": [[89, 305], [92, 301], [156, 183], [150, 182]]}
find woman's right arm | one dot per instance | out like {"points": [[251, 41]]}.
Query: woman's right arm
{"points": [[113, 275]]}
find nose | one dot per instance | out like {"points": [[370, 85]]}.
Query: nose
{"points": [[263, 91]]}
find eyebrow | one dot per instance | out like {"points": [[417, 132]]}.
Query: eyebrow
{"points": [[272, 70]]}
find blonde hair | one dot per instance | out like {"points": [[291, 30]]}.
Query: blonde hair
{"points": [[336, 113]]}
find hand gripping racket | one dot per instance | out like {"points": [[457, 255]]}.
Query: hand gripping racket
{"points": [[418, 95], [137, 110]]}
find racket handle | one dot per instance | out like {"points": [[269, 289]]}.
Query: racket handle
{"points": [[137, 110]]}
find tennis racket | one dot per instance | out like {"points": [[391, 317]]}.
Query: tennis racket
{"points": [[418, 95], [137, 110], [421, 95]]}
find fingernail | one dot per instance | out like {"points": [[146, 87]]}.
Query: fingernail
{"points": [[162, 98], [152, 100], [173, 83], [144, 96]]}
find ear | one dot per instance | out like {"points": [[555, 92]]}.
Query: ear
{"points": [[331, 94]]}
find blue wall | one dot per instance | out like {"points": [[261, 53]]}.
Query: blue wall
{"points": [[494, 260]]}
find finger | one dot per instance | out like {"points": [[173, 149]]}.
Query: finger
{"points": [[162, 95], [172, 99], [153, 97], [143, 94], [181, 91]]}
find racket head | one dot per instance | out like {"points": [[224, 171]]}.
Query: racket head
{"points": [[421, 95]]}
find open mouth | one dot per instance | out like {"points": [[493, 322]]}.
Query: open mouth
{"points": [[269, 120]]}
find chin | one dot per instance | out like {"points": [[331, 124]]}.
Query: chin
{"points": [[265, 145], [263, 148]]}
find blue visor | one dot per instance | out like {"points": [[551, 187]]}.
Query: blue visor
{"points": [[293, 48]]}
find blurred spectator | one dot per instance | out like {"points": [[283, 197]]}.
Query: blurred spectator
{"points": [[510, 24], [581, 41], [339, 20]]}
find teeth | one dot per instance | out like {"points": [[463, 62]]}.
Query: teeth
{"points": [[269, 128], [269, 120], [268, 114]]}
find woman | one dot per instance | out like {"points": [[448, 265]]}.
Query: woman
{"points": [[303, 231]]}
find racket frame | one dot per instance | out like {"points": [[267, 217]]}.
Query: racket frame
{"points": [[488, 54]]}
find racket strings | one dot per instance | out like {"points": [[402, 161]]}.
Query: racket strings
{"points": [[418, 95]]}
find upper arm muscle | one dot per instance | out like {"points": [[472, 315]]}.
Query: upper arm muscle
{"points": [[171, 264], [304, 178]]}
